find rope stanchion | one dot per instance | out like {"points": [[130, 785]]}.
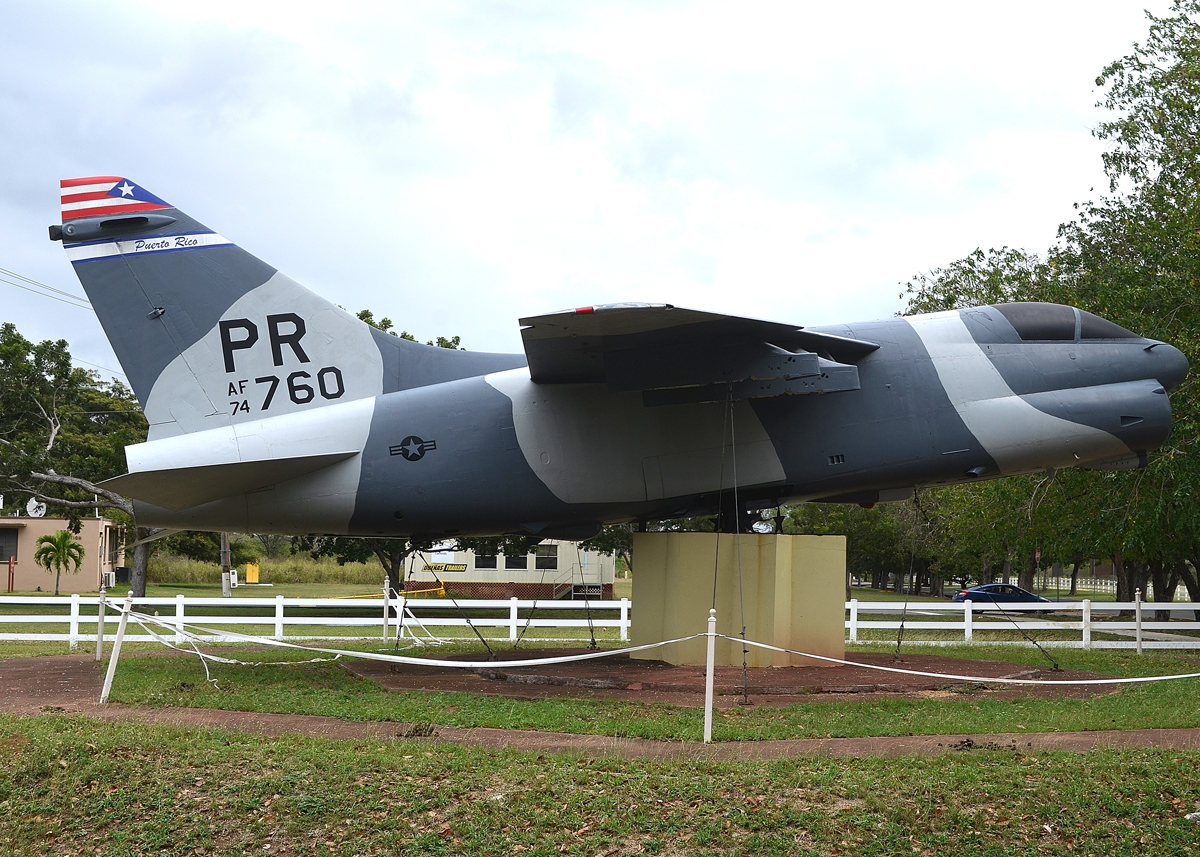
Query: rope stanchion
{"points": [[126, 609], [708, 674]]}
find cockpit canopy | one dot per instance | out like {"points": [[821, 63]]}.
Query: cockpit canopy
{"points": [[1056, 322]]}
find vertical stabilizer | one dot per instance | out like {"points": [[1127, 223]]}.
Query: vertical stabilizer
{"points": [[207, 334], [210, 336]]}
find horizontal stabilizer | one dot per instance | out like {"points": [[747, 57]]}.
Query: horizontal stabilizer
{"points": [[181, 488]]}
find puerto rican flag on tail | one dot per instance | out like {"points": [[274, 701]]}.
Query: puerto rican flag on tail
{"points": [[105, 195]]}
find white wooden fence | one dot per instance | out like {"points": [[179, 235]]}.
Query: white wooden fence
{"points": [[272, 617], [1080, 624], [1085, 618]]}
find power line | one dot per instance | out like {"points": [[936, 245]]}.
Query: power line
{"points": [[75, 302], [98, 366], [66, 298], [34, 282]]}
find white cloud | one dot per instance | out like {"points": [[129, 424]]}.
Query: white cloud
{"points": [[457, 166]]}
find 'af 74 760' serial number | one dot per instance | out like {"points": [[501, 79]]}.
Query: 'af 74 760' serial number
{"points": [[329, 385]]}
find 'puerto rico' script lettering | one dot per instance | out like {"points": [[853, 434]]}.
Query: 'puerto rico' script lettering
{"points": [[143, 244], [175, 242]]}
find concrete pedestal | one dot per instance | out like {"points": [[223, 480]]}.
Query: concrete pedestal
{"points": [[793, 589]]}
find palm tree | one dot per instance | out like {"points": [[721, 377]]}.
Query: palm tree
{"points": [[59, 551]]}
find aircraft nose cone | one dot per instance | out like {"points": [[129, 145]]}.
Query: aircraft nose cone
{"points": [[1171, 367]]}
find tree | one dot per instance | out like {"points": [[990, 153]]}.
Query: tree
{"points": [[613, 540], [206, 547], [442, 342], [889, 540], [62, 430], [1135, 257], [58, 552], [273, 545], [385, 324], [995, 277], [1132, 257], [391, 553], [1155, 90]]}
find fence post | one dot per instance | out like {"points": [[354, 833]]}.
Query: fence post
{"points": [[386, 598], [74, 631], [624, 619], [512, 619], [853, 620], [1137, 617], [968, 627], [100, 625], [278, 617], [179, 617], [1087, 623], [708, 675]]}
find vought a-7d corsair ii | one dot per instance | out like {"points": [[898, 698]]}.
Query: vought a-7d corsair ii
{"points": [[272, 410]]}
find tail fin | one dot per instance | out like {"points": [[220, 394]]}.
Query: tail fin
{"points": [[209, 335]]}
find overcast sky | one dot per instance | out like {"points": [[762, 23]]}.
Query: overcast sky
{"points": [[455, 167]]}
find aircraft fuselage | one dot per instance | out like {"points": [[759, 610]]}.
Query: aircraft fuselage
{"points": [[947, 398], [273, 410]]}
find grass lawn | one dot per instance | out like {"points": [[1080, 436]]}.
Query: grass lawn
{"points": [[73, 786], [327, 688]]}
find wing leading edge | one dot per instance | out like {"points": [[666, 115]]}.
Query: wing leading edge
{"points": [[674, 355]]}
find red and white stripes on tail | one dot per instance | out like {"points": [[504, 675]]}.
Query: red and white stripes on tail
{"points": [[97, 195]]}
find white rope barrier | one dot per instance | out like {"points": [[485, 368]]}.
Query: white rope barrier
{"points": [[186, 630], [194, 641], [401, 659], [976, 679]]}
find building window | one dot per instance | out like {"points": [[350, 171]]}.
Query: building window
{"points": [[521, 561], [546, 557], [8, 543], [485, 560]]}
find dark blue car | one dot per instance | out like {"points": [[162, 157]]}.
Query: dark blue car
{"points": [[999, 593]]}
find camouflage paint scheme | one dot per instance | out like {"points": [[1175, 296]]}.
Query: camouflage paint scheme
{"points": [[273, 410]]}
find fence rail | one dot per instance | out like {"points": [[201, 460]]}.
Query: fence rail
{"points": [[386, 618], [1079, 624], [1134, 623]]}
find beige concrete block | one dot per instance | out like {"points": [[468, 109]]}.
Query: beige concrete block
{"points": [[789, 591]]}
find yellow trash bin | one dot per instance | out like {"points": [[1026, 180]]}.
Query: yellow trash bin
{"points": [[252, 572]]}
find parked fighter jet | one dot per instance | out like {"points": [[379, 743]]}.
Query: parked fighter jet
{"points": [[272, 410]]}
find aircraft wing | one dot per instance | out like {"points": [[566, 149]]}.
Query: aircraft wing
{"points": [[674, 355]]}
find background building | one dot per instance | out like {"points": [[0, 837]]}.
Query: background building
{"points": [[554, 570], [103, 544]]}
